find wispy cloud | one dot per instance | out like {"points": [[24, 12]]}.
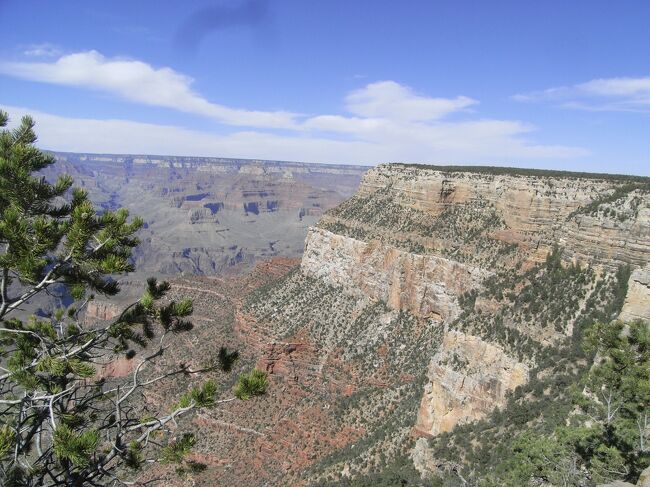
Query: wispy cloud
{"points": [[386, 106], [372, 106], [479, 142], [44, 49], [140, 82], [629, 87], [381, 121], [603, 94], [390, 100]]}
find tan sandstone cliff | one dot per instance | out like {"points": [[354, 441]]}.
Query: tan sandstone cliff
{"points": [[538, 211], [637, 301], [392, 242], [426, 285], [468, 377]]}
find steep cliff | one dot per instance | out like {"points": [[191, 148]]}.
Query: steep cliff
{"points": [[637, 301], [426, 285], [480, 216], [424, 239], [507, 265], [467, 377]]}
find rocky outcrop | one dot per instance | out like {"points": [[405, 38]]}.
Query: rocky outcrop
{"points": [[288, 360], [99, 310], [637, 300], [118, 367], [468, 378], [539, 210], [644, 479], [426, 285]]}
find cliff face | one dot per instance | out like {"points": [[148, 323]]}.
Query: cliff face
{"points": [[637, 301], [426, 285], [467, 378], [101, 311], [595, 219], [467, 252]]}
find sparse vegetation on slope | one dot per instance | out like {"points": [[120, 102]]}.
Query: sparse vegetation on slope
{"points": [[541, 406], [462, 231], [622, 203], [379, 351], [551, 299]]}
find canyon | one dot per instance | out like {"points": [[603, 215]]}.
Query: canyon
{"points": [[430, 301], [210, 215]]}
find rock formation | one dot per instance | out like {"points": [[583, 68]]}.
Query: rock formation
{"points": [[426, 285], [637, 301], [418, 238], [467, 378], [538, 210]]}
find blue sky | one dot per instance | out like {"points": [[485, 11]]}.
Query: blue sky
{"points": [[550, 84]]}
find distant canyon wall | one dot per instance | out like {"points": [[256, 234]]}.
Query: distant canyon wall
{"points": [[211, 215]]}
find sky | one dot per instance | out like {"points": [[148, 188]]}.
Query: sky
{"points": [[549, 84]]}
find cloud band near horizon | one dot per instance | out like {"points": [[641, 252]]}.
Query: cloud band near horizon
{"points": [[383, 121]]}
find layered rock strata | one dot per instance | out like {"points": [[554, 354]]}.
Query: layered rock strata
{"points": [[420, 238], [426, 285], [539, 210]]}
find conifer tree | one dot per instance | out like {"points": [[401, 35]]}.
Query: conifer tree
{"points": [[607, 434], [60, 423]]}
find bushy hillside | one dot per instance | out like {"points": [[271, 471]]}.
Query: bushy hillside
{"points": [[373, 353], [474, 451]]}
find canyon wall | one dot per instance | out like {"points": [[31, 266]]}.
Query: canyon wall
{"points": [[467, 378], [539, 210], [637, 301], [419, 239], [426, 285], [211, 215]]}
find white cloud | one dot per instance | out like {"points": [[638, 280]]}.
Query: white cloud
{"points": [[478, 142], [603, 94], [383, 121], [384, 107], [390, 100], [140, 82], [617, 87], [44, 49]]}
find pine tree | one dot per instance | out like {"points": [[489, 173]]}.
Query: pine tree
{"points": [[606, 436], [60, 424]]}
